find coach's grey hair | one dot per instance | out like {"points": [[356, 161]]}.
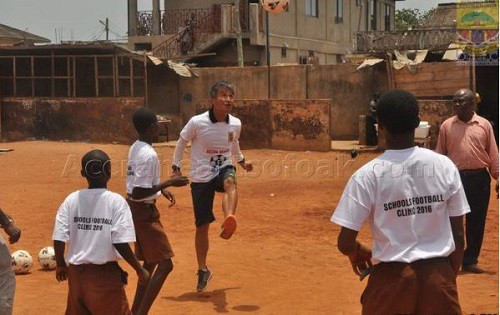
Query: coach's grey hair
{"points": [[218, 85]]}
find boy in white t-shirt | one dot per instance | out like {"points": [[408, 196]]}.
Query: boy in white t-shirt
{"points": [[143, 188], [98, 225], [414, 202], [214, 137]]}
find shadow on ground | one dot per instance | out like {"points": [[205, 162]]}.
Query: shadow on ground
{"points": [[216, 297]]}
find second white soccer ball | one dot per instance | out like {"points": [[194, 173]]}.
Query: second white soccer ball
{"points": [[47, 258], [21, 262]]}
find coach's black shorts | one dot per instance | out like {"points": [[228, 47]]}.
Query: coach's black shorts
{"points": [[203, 195]]}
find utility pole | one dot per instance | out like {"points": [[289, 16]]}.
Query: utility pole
{"points": [[268, 58], [106, 27], [239, 42]]}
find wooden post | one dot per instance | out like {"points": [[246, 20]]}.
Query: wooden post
{"points": [[0, 118], [96, 77], [131, 76], [52, 73], [388, 66], [146, 79], [32, 76], [115, 76], [68, 77], [473, 67], [14, 74], [118, 75], [74, 77]]}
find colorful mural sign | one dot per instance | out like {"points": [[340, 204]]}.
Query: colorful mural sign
{"points": [[477, 30]]}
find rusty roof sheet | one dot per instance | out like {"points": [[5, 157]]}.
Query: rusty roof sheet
{"points": [[14, 33]]}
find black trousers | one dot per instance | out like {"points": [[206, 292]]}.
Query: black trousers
{"points": [[477, 189], [371, 132]]}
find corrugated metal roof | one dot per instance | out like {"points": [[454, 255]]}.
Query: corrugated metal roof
{"points": [[14, 33], [444, 16], [71, 48], [181, 69]]}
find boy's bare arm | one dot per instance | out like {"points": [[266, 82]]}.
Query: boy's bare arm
{"points": [[61, 268], [13, 231], [127, 254]]}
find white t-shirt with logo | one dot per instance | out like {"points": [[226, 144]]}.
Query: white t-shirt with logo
{"points": [[408, 197], [212, 145], [92, 220], [143, 168]]}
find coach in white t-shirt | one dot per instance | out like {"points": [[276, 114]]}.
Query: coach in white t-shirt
{"points": [[414, 202], [214, 137], [98, 225]]}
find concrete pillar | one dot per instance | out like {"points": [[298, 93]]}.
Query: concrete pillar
{"points": [[362, 130], [165, 8], [132, 17], [156, 17]]}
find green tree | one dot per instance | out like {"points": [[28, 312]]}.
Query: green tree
{"points": [[407, 19]]}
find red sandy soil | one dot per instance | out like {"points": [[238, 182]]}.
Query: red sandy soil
{"points": [[282, 260]]}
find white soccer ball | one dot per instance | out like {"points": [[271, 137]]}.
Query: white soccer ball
{"points": [[21, 261], [274, 6], [47, 258]]}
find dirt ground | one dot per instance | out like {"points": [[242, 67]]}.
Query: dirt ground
{"points": [[282, 259]]}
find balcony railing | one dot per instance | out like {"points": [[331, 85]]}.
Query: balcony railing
{"points": [[381, 41], [172, 20]]}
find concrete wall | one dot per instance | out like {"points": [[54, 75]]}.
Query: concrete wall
{"points": [[163, 90], [349, 90], [255, 116], [77, 119], [435, 112], [301, 125], [281, 124], [433, 79]]}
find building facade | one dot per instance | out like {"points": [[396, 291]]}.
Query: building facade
{"points": [[318, 31]]}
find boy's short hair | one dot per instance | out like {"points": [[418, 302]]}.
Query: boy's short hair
{"points": [[218, 85], [398, 111], [96, 164], [143, 118]]}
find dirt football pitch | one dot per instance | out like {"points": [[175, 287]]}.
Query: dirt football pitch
{"points": [[283, 258]]}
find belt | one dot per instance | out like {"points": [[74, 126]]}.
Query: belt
{"points": [[472, 172], [419, 262], [110, 265], [149, 202], [429, 260]]}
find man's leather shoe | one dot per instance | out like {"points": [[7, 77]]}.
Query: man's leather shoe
{"points": [[473, 269]]}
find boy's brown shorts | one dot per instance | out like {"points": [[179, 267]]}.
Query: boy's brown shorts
{"points": [[96, 289], [426, 286], [152, 245]]}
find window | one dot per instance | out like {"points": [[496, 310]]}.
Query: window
{"points": [[339, 14], [312, 8], [373, 15], [387, 18], [283, 51], [71, 76]]}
